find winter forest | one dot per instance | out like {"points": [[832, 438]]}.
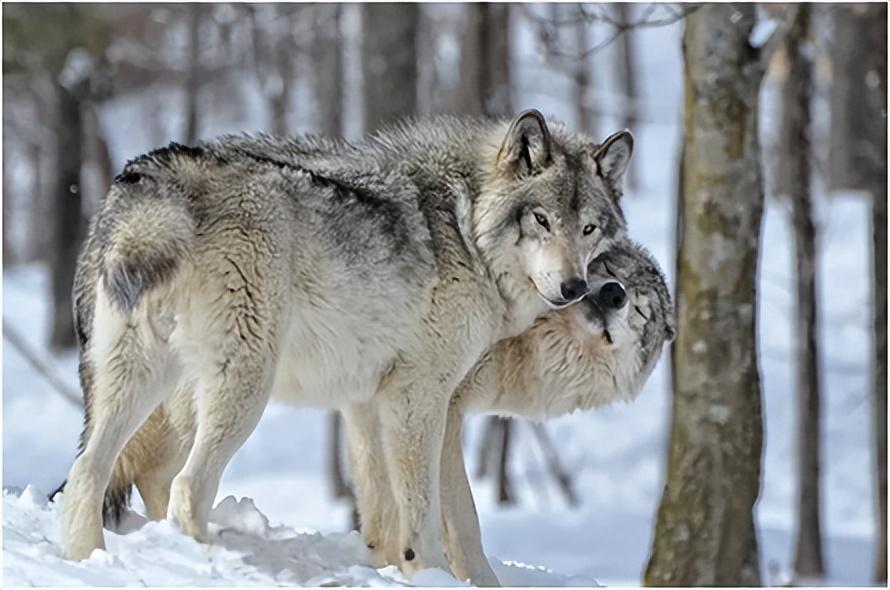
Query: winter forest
{"points": [[756, 453]]}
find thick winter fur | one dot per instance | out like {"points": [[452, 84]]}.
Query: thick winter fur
{"points": [[594, 353], [582, 357], [368, 277]]}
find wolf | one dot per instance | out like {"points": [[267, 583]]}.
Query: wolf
{"points": [[367, 277], [599, 351]]}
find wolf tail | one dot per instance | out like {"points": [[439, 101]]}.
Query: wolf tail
{"points": [[151, 232]]}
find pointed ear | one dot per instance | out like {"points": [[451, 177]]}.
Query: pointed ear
{"points": [[613, 155], [527, 145]]}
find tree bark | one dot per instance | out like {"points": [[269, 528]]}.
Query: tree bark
{"points": [[485, 61], [858, 160], [875, 42], [9, 257], [796, 153], [581, 83], [879, 296], [705, 533], [193, 82], [485, 90], [66, 215], [627, 73], [389, 63], [327, 58]]}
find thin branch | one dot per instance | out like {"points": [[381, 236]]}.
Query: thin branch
{"points": [[645, 20], [41, 366]]}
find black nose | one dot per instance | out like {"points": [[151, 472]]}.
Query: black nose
{"points": [[612, 295], [573, 288]]}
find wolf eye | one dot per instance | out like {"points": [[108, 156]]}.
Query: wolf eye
{"points": [[588, 229], [543, 221]]}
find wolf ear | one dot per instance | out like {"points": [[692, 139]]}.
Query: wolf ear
{"points": [[527, 145], [613, 155]]}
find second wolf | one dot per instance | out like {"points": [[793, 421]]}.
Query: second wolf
{"points": [[367, 277]]}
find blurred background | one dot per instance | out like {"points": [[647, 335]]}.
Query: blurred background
{"points": [[88, 86]]}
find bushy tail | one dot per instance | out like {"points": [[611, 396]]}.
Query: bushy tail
{"points": [[151, 232]]}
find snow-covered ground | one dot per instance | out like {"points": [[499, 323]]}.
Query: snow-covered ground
{"points": [[292, 532]]}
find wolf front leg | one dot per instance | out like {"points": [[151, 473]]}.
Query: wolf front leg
{"points": [[373, 492], [412, 418], [463, 539]]}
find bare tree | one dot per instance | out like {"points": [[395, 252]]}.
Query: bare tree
{"points": [[327, 59], [485, 61], [795, 154], [582, 80], [628, 82], [193, 81], [389, 62], [858, 160], [485, 90], [794, 171], [705, 533]]}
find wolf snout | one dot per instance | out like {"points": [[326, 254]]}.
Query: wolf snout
{"points": [[573, 288], [612, 295]]}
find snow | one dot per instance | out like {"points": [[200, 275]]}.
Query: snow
{"points": [[243, 549], [285, 528]]}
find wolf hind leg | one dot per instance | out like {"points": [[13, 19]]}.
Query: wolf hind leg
{"points": [[373, 493], [131, 366], [229, 406], [162, 445]]}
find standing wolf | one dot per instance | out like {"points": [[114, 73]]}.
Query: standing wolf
{"points": [[328, 274]]}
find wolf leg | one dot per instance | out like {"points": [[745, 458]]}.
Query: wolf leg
{"points": [[154, 485], [129, 376], [463, 539], [229, 406], [373, 493], [413, 421]]}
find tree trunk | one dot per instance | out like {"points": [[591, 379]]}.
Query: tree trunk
{"points": [[858, 160], [9, 257], [485, 90], [485, 87], [705, 533], [504, 484], [389, 62], [875, 42], [627, 74], [66, 215], [581, 83], [879, 296], [193, 82], [851, 125], [796, 153], [327, 59]]}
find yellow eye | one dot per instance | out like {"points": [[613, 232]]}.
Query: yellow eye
{"points": [[542, 220], [588, 229]]}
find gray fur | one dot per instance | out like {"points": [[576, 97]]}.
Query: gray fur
{"points": [[371, 274]]}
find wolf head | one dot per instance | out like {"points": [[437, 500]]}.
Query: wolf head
{"points": [[549, 205], [628, 306]]}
